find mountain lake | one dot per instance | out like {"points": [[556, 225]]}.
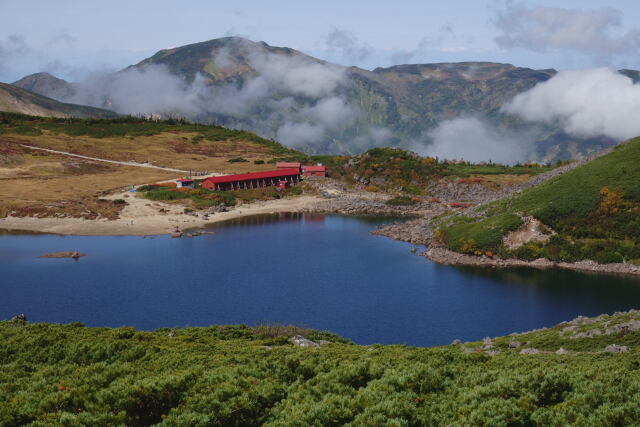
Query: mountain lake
{"points": [[324, 272]]}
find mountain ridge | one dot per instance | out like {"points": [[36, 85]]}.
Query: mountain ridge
{"points": [[320, 107], [17, 100]]}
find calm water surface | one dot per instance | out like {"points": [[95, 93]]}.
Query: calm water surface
{"points": [[323, 272]]}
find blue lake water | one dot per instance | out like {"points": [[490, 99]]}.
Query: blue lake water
{"points": [[323, 272]]}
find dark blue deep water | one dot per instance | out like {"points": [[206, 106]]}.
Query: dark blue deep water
{"points": [[319, 272]]}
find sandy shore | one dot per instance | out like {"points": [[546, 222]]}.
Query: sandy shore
{"points": [[143, 217]]}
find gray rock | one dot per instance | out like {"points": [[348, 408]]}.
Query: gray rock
{"points": [[300, 341], [66, 254], [631, 326], [562, 351], [215, 209], [171, 334], [493, 352], [515, 344], [324, 342], [589, 334], [20, 317], [530, 351], [615, 348], [456, 342], [176, 234]]}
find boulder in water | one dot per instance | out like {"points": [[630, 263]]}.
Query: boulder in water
{"points": [[65, 254]]}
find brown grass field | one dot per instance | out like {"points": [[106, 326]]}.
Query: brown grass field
{"points": [[30, 178]]}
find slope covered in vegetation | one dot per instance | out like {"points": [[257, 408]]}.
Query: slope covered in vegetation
{"points": [[34, 182], [594, 209], [235, 375], [395, 169], [130, 127]]}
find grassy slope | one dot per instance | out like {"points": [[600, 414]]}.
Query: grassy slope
{"points": [[571, 205], [390, 169], [172, 143], [73, 375]]}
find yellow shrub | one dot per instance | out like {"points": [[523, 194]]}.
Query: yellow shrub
{"points": [[612, 200]]}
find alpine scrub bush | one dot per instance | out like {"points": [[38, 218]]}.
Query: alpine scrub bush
{"points": [[53, 374], [201, 197]]}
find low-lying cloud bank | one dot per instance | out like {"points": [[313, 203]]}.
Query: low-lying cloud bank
{"points": [[585, 103], [475, 140], [291, 97], [302, 103]]}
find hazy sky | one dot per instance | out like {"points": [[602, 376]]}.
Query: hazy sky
{"points": [[73, 38]]}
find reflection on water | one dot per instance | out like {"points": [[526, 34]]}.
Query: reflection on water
{"points": [[324, 272], [263, 219], [603, 293]]}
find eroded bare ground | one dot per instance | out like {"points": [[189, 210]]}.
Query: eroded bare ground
{"points": [[532, 230]]}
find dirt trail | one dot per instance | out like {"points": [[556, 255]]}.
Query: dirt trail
{"points": [[140, 165]]}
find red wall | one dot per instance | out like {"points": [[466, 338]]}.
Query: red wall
{"points": [[208, 185]]}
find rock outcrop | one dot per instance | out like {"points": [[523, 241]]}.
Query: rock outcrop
{"points": [[66, 254]]}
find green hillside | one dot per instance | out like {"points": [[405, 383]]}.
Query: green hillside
{"points": [[17, 100], [594, 209], [132, 126], [235, 375]]}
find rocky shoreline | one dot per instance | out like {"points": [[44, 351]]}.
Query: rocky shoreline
{"points": [[447, 257], [420, 232]]}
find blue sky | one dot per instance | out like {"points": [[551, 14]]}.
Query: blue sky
{"points": [[74, 38]]}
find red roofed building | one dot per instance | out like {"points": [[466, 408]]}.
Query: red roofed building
{"points": [[251, 180], [288, 165], [318, 170]]}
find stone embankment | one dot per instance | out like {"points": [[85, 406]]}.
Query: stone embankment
{"points": [[357, 206]]}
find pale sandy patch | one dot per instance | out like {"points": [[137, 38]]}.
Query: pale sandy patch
{"points": [[143, 217]]}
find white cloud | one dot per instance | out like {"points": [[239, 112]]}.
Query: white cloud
{"points": [[14, 47], [351, 50], [138, 91], [331, 111], [586, 103], [300, 134], [287, 95], [544, 29], [296, 74], [374, 136], [473, 140]]}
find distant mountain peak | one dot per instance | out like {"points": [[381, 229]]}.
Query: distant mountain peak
{"points": [[46, 84]]}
